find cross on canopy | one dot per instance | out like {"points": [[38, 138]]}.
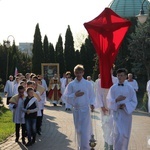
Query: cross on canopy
{"points": [[107, 32]]}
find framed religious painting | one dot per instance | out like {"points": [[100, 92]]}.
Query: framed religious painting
{"points": [[48, 71]]}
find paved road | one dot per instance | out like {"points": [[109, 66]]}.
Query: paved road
{"points": [[58, 132]]}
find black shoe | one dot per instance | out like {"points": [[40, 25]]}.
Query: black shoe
{"points": [[23, 142], [54, 104], [39, 133], [60, 103], [16, 140], [33, 141], [66, 109], [28, 144], [69, 109], [25, 134]]}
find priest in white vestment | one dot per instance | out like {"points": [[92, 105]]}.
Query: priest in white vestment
{"points": [[80, 94], [9, 89], [122, 101]]}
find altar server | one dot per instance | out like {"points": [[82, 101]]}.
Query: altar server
{"points": [[122, 101], [80, 94], [15, 105]]}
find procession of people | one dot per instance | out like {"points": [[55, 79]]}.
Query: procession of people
{"points": [[26, 96]]}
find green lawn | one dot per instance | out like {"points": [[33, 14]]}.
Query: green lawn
{"points": [[7, 127]]}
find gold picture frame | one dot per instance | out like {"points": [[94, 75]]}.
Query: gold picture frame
{"points": [[48, 70]]}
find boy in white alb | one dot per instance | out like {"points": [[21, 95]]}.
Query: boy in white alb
{"points": [[122, 101], [15, 105], [80, 94], [65, 82]]}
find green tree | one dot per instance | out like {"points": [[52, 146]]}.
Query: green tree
{"points": [[96, 70], [77, 57], [69, 51], [84, 59], [140, 54], [13, 58], [37, 51], [139, 49], [3, 62], [124, 58], [51, 53], [60, 55], [46, 50], [90, 53]]}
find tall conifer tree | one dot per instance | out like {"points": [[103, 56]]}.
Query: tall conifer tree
{"points": [[37, 51], [77, 57], [84, 60], [46, 50], [90, 53], [52, 53], [69, 51], [60, 55]]}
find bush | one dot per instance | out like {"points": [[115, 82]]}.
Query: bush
{"points": [[145, 102], [1, 86], [1, 102]]}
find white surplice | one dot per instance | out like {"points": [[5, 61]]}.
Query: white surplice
{"points": [[64, 84], [134, 84], [122, 118], [114, 79], [18, 116], [44, 84], [148, 92], [81, 109], [9, 88], [15, 90]]}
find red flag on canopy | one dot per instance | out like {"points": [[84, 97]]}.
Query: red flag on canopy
{"points": [[107, 32]]}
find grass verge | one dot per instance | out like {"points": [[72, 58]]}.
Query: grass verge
{"points": [[7, 126]]}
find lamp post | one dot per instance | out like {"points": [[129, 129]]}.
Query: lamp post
{"points": [[142, 17], [7, 44]]}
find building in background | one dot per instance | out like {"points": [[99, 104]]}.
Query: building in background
{"points": [[129, 8], [26, 48]]}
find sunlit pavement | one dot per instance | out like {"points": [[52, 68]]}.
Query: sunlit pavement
{"points": [[58, 132]]}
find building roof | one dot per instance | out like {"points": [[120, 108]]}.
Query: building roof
{"points": [[128, 8]]}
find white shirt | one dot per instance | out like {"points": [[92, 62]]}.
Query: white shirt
{"points": [[9, 88], [15, 88], [134, 84], [44, 84], [18, 116], [114, 79], [92, 83], [148, 87], [128, 92], [84, 86]]}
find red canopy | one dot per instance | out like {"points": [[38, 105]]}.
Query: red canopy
{"points": [[107, 32]]}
